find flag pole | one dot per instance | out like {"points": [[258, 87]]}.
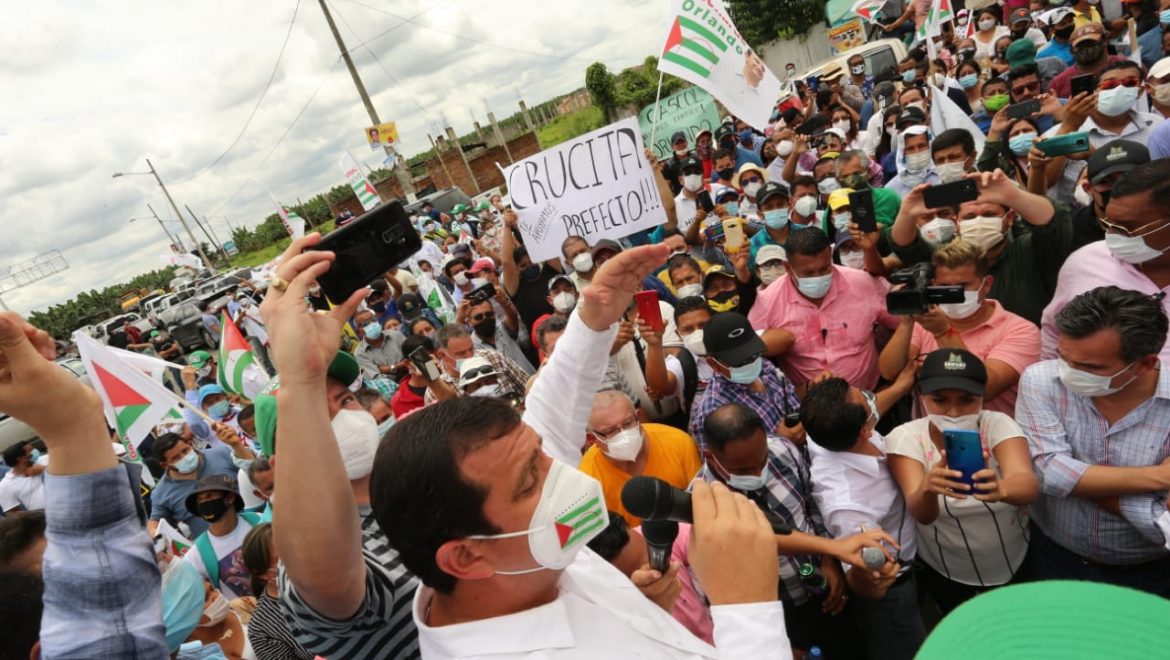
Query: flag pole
{"points": [[658, 113]]}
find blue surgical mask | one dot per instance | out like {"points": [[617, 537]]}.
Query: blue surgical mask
{"points": [[188, 463], [908, 75], [968, 81], [746, 374], [373, 330], [744, 482], [1021, 144], [36, 455], [732, 208], [384, 427], [815, 287], [776, 218], [219, 410], [1164, 16]]}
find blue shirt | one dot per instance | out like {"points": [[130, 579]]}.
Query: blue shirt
{"points": [[759, 240], [746, 156], [169, 498], [1058, 50]]}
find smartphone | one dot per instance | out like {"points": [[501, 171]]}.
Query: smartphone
{"points": [[704, 200], [817, 124], [1063, 145], [861, 208], [648, 309], [713, 231], [483, 293], [1083, 83], [964, 453], [1023, 109], [950, 194], [366, 248], [733, 230], [425, 363]]}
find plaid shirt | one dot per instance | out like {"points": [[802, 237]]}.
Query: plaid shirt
{"points": [[1067, 436], [787, 494], [777, 399], [103, 591], [512, 378]]}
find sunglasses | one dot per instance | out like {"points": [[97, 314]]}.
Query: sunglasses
{"points": [[480, 372], [1026, 87], [1132, 81], [1111, 228], [750, 179], [483, 316]]}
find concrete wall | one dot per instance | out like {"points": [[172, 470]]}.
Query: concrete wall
{"points": [[806, 51]]}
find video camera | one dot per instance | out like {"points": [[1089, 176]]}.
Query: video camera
{"points": [[918, 295]]}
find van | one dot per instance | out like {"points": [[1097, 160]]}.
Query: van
{"points": [[879, 57]]}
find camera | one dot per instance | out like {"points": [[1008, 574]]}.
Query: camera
{"points": [[482, 293], [918, 295]]}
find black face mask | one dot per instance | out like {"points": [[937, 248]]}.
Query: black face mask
{"points": [[1086, 55], [967, 54], [1063, 33], [485, 328], [1019, 34], [726, 173], [212, 510], [530, 272]]}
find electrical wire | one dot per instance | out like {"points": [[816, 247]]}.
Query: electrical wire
{"points": [[256, 107]]}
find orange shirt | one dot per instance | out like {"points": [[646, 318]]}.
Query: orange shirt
{"points": [[671, 456]]}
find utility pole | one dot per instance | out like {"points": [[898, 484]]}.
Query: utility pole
{"points": [[208, 231], [401, 169], [175, 208], [229, 224], [175, 240]]}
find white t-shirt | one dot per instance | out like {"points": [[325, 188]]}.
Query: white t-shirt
{"points": [[703, 371], [21, 491], [234, 577], [684, 209], [407, 279], [972, 542], [985, 50]]}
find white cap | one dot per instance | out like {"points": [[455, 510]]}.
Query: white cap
{"points": [[1160, 69], [770, 253], [1054, 16], [474, 369]]}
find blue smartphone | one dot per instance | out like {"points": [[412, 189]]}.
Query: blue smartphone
{"points": [[964, 453]]}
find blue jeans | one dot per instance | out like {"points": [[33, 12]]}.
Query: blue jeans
{"points": [[892, 625]]}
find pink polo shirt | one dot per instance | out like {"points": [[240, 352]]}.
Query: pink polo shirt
{"points": [[1005, 337], [838, 335], [1084, 270], [691, 608]]}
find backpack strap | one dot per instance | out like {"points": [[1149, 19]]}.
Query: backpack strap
{"points": [[252, 517], [690, 377], [210, 561]]}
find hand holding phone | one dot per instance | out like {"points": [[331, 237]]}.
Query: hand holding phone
{"points": [[964, 454], [733, 230], [366, 248], [1023, 109], [649, 311], [425, 364], [950, 194]]}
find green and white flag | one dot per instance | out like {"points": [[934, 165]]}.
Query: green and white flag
{"points": [[704, 47], [939, 12], [293, 223], [239, 372], [361, 185]]}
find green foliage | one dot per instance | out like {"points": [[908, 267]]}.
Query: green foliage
{"points": [[638, 85], [764, 21], [600, 83], [93, 306], [570, 126]]}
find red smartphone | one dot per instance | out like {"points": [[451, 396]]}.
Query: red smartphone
{"points": [[649, 311]]}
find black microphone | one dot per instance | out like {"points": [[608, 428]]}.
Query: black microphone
{"points": [[654, 499], [659, 535]]}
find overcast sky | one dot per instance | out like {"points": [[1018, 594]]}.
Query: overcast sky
{"points": [[95, 88]]}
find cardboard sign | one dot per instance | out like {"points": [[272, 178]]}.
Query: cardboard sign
{"points": [[691, 111]]}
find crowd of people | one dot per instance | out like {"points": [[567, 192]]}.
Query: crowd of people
{"points": [[884, 405]]}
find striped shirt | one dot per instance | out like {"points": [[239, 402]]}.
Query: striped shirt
{"points": [[1067, 435], [787, 493], [383, 628], [269, 634], [777, 400]]}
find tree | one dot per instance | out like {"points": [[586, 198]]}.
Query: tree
{"points": [[764, 21], [638, 85], [600, 84]]}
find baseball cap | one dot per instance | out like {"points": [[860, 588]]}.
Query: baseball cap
{"points": [[1116, 156], [1056, 15], [716, 271], [952, 369], [1021, 15], [842, 238], [411, 306], [605, 244], [1094, 31], [729, 338], [482, 264], [678, 136], [208, 390], [744, 169], [690, 163], [154, 333], [723, 131], [198, 359], [560, 278], [910, 115], [212, 483], [839, 198], [1073, 620], [771, 189], [458, 208], [461, 251], [723, 193], [1160, 69], [475, 368], [1021, 52], [345, 370], [770, 253], [483, 205]]}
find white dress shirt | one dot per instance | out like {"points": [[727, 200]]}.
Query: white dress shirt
{"points": [[598, 613], [856, 492]]}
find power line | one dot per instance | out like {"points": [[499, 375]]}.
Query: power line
{"points": [[256, 107]]}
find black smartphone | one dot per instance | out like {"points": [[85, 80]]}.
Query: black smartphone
{"points": [[424, 363], [367, 247], [950, 194], [1083, 83], [817, 124], [1023, 109], [482, 293], [704, 200], [861, 208]]}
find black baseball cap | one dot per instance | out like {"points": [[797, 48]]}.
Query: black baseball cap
{"points": [[690, 163], [910, 115], [678, 136], [410, 305], [1116, 156], [950, 369], [214, 482], [724, 131], [729, 338], [1021, 15], [771, 189]]}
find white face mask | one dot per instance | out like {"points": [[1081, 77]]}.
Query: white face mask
{"points": [[216, 612], [1161, 93], [985, 231], [694, 343], [784, 147], [951, 172], [769, 274], [844, 126], [857, 69], [461, 279], [569, 499], [583, 263], [488, 390], [745, 483], [690, 290], [937, 231], [827, 186], [853, 259], [693, 182], [357, 438], [1083, 383], [960, 423], [1132, 249], [815, 287], [1082, 196], [564, 302], [625, 444], [1117, 101], [918, 162], [806, 206], [753, 188], [965, 309], [842, 221], [986, 24]]}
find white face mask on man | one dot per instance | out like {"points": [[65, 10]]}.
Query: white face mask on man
{"points": [[357, 438]]}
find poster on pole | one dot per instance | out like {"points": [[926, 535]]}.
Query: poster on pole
{"points": [[691, 111], [382, 135], [704, 47], [595, 186]]}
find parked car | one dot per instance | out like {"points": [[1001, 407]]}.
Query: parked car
{"points": [[443, 200], [107, 327], [184, 322], [13, 430]]}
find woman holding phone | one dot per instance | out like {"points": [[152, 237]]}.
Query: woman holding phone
{"points": [[970, 539]]}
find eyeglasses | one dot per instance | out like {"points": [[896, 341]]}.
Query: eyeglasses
{"points": [[750, 179], [1033, 86], [1132, 81], [630, 422], [1111, 228], [483, 316], [479, 372]]}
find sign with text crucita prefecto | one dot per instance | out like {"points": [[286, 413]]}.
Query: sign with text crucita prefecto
{"points": [[598, 185]]}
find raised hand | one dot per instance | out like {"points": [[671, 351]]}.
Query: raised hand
{"points": [[614, 284]]}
